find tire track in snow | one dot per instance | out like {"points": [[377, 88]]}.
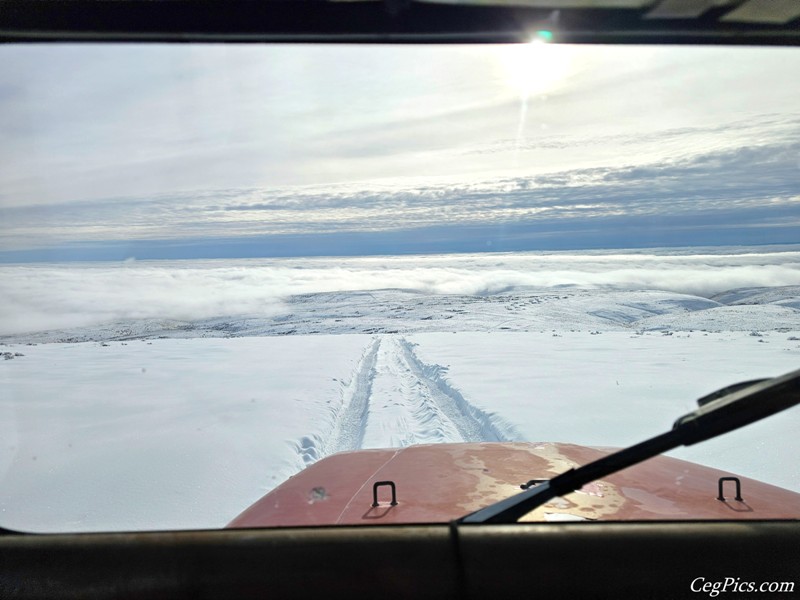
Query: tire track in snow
{"points": [[350, 420], [402, 411], [472, 423], [394, 399], [413, 403], [348, 431]]}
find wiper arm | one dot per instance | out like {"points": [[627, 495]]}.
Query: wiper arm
{"points": [[719, 413]]}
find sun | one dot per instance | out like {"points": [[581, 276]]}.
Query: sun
{"points": [[536, 67]]}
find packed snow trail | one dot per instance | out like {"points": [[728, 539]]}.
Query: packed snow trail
{"points": [[402, 410], [349, 420], [348, 432], [393, 399], [473, 424]]}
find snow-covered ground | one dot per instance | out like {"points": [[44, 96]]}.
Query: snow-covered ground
{"points": [[166, 423]]}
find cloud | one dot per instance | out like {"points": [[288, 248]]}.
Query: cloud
{"points": [[40, 297], [180, 152], [86, 122], [697, 199], [51, 297], [778, 128]]}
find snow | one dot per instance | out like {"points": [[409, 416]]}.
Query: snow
{"points": [[168, 433], [142, 423], [145, 297], [615, 389]]}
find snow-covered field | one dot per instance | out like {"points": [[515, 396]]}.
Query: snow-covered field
{"points": [[179, 414]]}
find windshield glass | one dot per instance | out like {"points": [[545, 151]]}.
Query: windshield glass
{"points": [[222, 264]]}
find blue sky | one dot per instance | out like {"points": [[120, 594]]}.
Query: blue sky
{"points": [[234, 151]]}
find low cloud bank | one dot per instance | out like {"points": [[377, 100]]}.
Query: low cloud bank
{"points": [[41, 297]]}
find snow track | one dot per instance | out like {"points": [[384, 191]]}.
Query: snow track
{"points": [[473, 424], [393, 399], [348, 432], [402, 410]]}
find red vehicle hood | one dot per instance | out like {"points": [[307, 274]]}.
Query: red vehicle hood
{"points": [[440, 482]]}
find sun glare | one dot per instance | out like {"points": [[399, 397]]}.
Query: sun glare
{"points": [[536, 67]]}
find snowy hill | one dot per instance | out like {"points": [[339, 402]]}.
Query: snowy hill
{"points": [[782, 296], [165, 396], [407, 312]]}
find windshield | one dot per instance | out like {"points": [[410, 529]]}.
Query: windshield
{"points": [[222, 265]]}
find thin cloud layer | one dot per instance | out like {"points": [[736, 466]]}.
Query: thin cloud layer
{"points": [[41, 297], [184, 151], [692, 200]]}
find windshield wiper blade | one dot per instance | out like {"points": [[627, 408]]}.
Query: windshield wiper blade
{"points": [[720, 412]]}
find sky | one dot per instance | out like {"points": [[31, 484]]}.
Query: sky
{"points": [[113, 152]]}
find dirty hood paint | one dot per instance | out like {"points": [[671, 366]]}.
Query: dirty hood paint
{"points": [[440, 482]]}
